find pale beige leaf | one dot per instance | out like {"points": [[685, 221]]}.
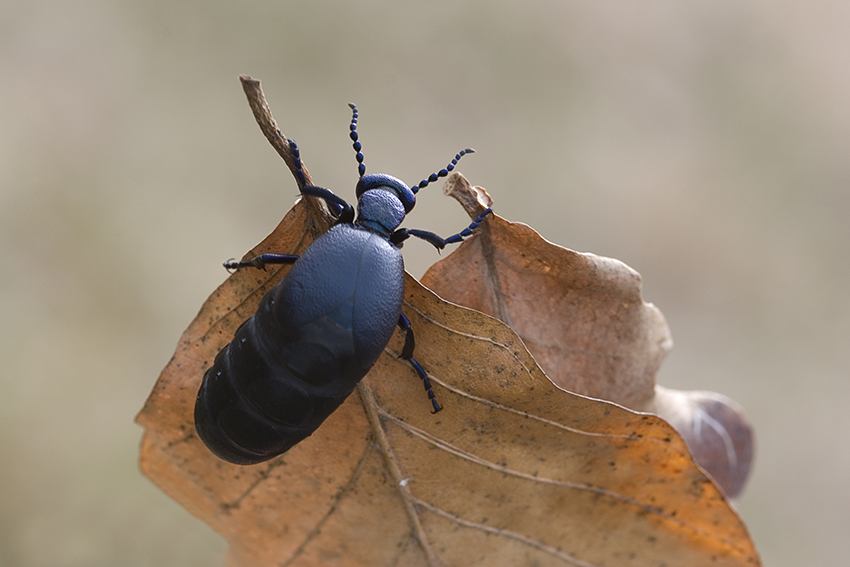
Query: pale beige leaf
{"points": [[581, 315]]}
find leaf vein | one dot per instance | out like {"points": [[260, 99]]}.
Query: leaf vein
{"points": [[439, 443], [543, 419], [372, 414], [505, 533], [355, 475]]}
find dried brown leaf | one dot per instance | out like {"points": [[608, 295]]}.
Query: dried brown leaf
{"points": [[583, 318], [581, 315], [514, 470]]}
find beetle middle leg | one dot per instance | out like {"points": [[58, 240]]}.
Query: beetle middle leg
{"points": [[407, 354]]}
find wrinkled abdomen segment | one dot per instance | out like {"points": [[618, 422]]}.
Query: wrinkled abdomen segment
{"points": [[314, 336], [272, 387]]}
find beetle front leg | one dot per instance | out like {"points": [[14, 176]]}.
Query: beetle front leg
{"points": [[434, 239], [342, 211]]}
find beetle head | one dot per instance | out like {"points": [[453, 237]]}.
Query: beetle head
{"points": [[387, 183]]}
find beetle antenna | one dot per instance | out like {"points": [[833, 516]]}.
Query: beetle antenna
{"points": [[361, 167], [443, 172]]}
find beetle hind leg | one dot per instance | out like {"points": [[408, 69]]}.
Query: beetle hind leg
{"points": [[407, 354], [426, 382]]}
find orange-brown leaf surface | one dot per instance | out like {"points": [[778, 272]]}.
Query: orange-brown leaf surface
{"points": [[583, 318], [513, 471]]}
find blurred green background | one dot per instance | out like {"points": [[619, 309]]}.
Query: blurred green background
{"points": [[704, 143]]}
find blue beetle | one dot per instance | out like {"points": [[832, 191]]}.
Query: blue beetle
{"points": [[318, 332]]}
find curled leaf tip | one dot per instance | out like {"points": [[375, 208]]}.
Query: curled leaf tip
{"points": [[474, 200]]}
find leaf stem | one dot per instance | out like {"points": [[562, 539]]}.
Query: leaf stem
{"points": [[263, 115], [367, 397]]}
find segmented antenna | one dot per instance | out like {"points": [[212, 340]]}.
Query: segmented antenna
{"points": [[361, 167], [443, 172], [299, 167]]}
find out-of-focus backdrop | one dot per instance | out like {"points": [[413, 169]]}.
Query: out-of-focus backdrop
{"points": [[704, 143]]}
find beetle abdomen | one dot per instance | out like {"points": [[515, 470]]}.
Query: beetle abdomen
{"points": [[312, 339], [256, 402]]}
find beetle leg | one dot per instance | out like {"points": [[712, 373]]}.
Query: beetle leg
{"points": [[343, 212], [468, 230], [407, 354], [427, 384], [403, 234], [436, 240], [409, 341], [260, 261]]}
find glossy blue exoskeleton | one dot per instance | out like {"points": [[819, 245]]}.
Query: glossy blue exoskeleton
{"points": [[321, 329]]}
